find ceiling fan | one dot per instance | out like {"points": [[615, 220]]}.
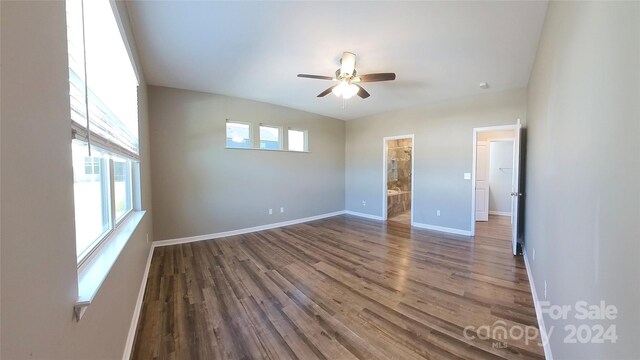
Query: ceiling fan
{"points": [[348, 80]]}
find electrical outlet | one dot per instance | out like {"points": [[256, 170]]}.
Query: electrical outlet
{"points": [[364, 202], [545, 289], [270, 211], [437, 212], [281, 210]]}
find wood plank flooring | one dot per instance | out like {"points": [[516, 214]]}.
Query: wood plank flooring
{"points": [[498, 227], [404, 218], [337, 288]]}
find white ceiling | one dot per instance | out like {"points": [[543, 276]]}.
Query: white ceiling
{"points": [[254, 50]]}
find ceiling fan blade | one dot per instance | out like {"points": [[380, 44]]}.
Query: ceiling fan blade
{"points": [[319, 77], [362, 92], [377, 77], [324, 93]]}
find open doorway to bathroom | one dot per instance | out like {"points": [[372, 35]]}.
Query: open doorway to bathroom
{"points": [[398, 178]]}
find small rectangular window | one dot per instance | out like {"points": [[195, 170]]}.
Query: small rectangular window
{"points": [[238, 135], [297, 140], [270, 137]]}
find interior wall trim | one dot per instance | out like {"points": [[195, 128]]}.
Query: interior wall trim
{"points": [[363, 215], [442, 229], [128, 347], [536, 303], [189, 239], [500, 213]]}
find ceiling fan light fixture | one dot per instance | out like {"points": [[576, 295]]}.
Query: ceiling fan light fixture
{"points": [[350, 91], [339, 89], [348, 81], [347, 64], [345, 90]]}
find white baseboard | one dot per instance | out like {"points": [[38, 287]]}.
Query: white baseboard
{"points": [[536, 303], [363, 215], [128, 348], [442, 229], [500, 213], [243, 231]]}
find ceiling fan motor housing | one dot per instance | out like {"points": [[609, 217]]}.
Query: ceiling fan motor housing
{"points": [[340, 76], [347, 64]]}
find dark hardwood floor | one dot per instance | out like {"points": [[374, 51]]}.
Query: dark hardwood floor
{"points": [[498, 227], [338, 288]]}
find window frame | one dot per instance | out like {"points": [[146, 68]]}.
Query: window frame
{"points": [[128, 190], [280, 136], [250, 125], [305, 139], [105, 175], [85, 106], [97, 260], [109, 201]]}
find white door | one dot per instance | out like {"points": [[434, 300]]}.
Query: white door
{"points": [[515, 187], [482, 181]]}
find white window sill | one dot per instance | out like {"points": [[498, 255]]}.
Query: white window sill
{"points": [[272, 150], [94, 271]]}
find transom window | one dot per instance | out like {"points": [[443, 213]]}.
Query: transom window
{"points": [[270, 137], [238, 135], [297, 140]]}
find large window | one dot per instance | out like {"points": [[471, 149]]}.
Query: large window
{"points": [[270, 137], [104, 113]]}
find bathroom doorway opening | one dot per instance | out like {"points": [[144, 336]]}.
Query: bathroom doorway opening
{"points": [[398, 179]]}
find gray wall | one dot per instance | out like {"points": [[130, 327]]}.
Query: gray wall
{"points": [[199, 187], [443, 152], [39, 281], [583, 199]]}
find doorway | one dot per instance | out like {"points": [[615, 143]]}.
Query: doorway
{"points": [[398, 179], [495, 183]]}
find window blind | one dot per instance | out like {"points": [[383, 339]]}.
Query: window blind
{"points": [[102, 82]]}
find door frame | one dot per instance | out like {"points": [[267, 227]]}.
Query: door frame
{"points": [[385, 140], [516, 129]]}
